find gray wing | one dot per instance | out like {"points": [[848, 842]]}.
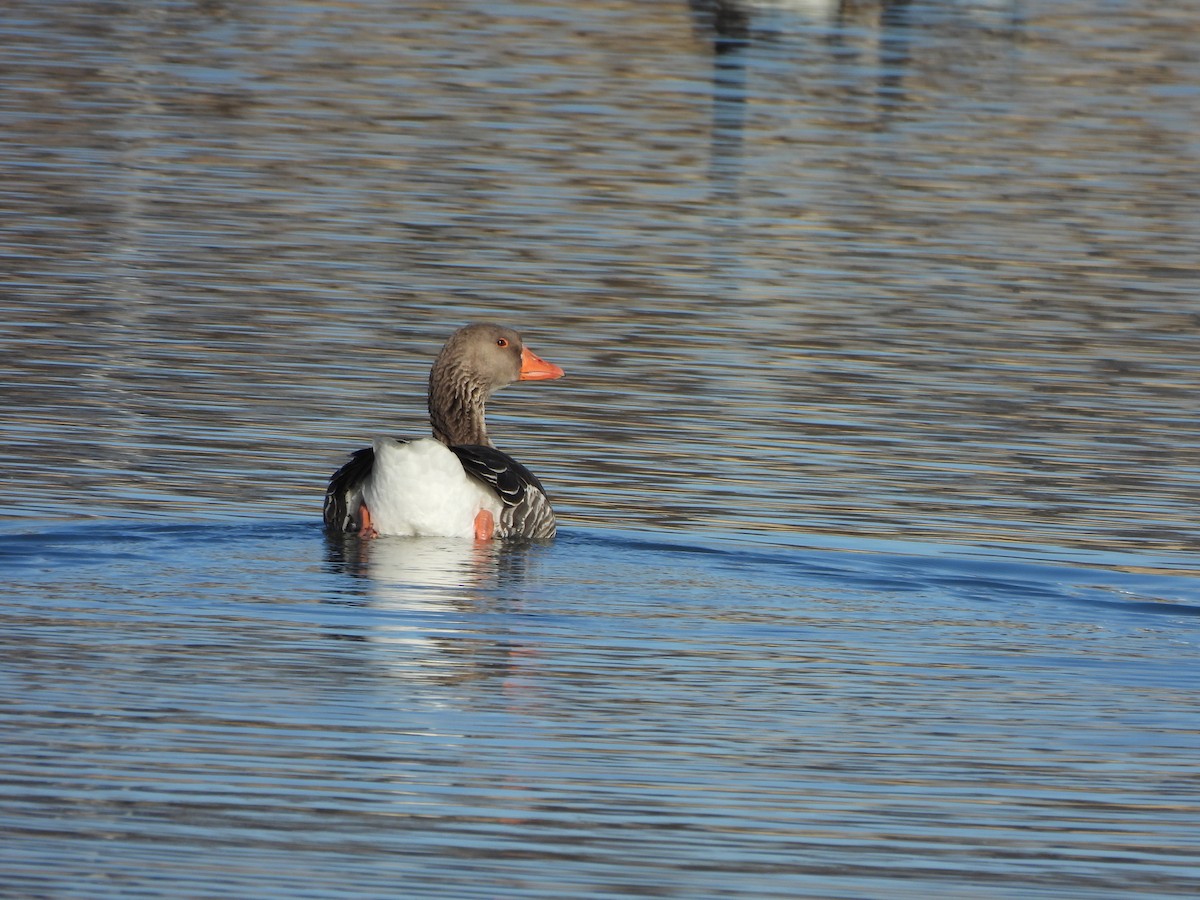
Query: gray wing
{"points": [[343, 497], [527, 512]]}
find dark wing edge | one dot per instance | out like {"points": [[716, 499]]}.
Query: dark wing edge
{"points": [[527, 511], [343, 497]]}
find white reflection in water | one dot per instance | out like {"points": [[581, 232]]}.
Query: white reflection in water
{"points": [[416, 572], [431, 593]]}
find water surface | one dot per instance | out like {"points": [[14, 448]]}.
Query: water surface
{"points": [[876, 461], [609, 716]]}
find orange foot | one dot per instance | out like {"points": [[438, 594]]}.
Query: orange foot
{"points": [[485, 525], [367, 531]]}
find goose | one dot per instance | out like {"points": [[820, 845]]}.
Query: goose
{"points": [[456, 483]]}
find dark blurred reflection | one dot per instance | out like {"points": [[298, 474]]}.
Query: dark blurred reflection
{"points": [[894, 40], [737, 29], [727, 25]]}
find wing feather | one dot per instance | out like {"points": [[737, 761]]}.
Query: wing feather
{"points": [[343, 497], [527, 511]]}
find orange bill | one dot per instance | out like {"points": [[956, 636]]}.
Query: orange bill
{"points": [[534, 368]]}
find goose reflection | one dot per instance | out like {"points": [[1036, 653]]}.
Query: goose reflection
{"points": [[438, 602]]}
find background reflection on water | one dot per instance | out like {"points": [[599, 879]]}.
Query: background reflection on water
{"points": [[940, 284], [881, 277]]}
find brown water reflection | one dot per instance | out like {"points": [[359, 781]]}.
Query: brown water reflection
{"points": [[919, 270]]}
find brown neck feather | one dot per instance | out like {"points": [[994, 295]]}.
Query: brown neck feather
{"points": [[456, 407]]}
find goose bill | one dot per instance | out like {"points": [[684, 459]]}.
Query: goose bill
{"points": [[534, 368]]}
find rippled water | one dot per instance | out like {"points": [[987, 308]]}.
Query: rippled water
{"points": [[609, 716], [876, 462]]}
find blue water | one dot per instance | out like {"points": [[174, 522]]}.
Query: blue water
{"points": [[202, 709], [875, 461]]}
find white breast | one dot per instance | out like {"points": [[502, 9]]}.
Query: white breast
{"points": [[420, 488]]}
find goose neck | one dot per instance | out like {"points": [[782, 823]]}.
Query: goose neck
{"points": [[456, 409]]}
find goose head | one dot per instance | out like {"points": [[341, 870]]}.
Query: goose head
{"points": [[475, 362]]}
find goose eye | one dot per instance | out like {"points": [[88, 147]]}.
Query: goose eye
{"points": [[501, 342]]}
